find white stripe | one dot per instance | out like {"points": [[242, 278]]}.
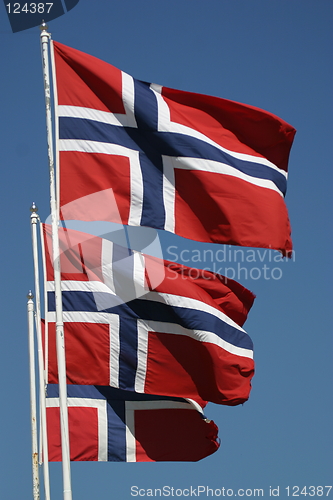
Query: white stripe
{"points": [[163, 298], [107, 260], [83, 146], [100, 405], [169, 193], [195, 405], [217, 167], [100, 318], [114, 350], [117, 119], [139, 280], [136, 180], [102, 433], [136, 186], [91, 114], [128, 99], [144, 327], [166, 125], [159, 405], [130, 435], [83, 317], [142, 352], [189, 303], [199, 335], [81, 286]]}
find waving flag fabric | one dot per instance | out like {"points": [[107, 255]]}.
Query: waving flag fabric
{"points": [[107, 424], [177, 338], [202, 167]]}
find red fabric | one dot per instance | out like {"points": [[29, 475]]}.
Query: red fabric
{"points": [[83, 433], [167, 435], [222, 293], [87, 80], [171, 358], [80, 255], [235, 126], [75, 178], [87, 353], [261, 213]]}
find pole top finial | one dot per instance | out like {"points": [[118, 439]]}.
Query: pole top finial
{"points": [[43, 26], [30, 295], [33, 208]]}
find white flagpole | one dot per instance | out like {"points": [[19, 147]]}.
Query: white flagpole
{"points": [[60, 339], [41, 365], [35, 472], [46, 325]]}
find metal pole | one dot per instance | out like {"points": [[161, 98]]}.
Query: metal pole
{"points": [[60, 339], [35, 473], [46, 325], [42, 385]]}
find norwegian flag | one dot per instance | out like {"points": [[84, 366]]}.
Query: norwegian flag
{"points": [[107, 424], [180, 337], [202, 167]]}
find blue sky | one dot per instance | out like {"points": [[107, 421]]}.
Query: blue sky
{"points": [[276, 55]]}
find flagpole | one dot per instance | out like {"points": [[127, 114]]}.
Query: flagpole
{"points": [[41, 365], [33, 414], [46, 325], [60, 339]]}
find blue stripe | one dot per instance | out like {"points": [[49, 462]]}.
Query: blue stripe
{"points": [[154, 144], [153, 212], [128, 360], [145, 106], [106, 393], [191, 319], [91, 302], [115, 407], [116, 431], [115, 414], [119, 253]]}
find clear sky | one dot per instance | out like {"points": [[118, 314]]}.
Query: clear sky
{"points": [[273, 54]]}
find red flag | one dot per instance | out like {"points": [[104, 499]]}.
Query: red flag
{"points": [[178, 336], [202, 167], [107, 424]]}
